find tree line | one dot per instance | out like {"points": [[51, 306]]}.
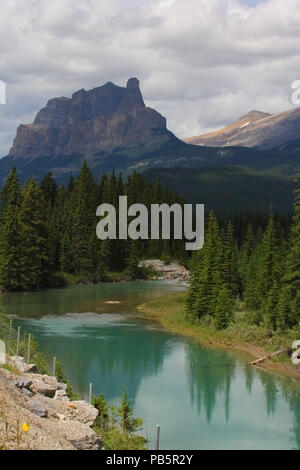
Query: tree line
{"points": [[48, 230], [261, 267]]}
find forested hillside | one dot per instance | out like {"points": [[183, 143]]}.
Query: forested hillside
{"points": [[262, 268], [230, 190], [48, 233]]}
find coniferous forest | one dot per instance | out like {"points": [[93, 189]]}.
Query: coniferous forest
{"points": [[261, 268], [48, 234]]}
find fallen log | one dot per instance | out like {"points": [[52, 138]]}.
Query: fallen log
{"points": [[265, 358]]}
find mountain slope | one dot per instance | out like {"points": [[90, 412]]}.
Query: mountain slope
{"points": [[255, 129], [172, 154], [229, 190], [112, 129]]}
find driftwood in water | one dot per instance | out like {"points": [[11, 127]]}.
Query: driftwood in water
{"points": [[264, 358]]}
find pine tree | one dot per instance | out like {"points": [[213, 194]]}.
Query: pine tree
{"points": [[34, 257], [83, 204], [193, 286], [66, 259], [206, 273], [230, 275], [268, 269], [102, 420], [133, 261], [250, 293], [53, 239], [94, 252], [110, 258], [128, 424], [49, 188], [104, 257], [10, 238], [58, 226], [270, 306], [291, 277], [245, 254], [224, 308], [71, 185], [283, 309], [295, 309], [102, 186]]}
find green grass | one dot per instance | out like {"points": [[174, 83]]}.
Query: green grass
{"points": [[10, 368], [240, 334]]}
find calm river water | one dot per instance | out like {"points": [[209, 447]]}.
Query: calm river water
{"points": [[202, 398]]}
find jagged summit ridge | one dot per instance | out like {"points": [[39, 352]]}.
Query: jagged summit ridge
{"points": [[90, 122], [85, 105]]}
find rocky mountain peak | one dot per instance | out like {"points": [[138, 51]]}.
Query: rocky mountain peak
{"points": [[132, 95], [255, 115], [255, 129], [90, 122]]}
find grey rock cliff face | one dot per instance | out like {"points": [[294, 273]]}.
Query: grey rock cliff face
{"points": [[90, 122]]}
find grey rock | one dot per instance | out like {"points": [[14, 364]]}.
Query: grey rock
{"points": [[37, 409], [89, 442], [171, 271], [62, 386], [26, 392], [30, 368], [79, 411], [61, 395], [99, 120], [47, 386], [86, 413], [43, 388], [23, 383]]}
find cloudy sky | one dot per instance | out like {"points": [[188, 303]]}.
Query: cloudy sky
{"points": [[201, 63]]}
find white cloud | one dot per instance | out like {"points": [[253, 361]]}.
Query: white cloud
{"points": [[201, 63]]}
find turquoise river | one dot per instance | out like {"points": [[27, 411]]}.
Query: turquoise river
{"points": [[202, 398]]}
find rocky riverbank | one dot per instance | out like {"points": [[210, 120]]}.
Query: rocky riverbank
{"points": [[36, 413], [167, 271]]}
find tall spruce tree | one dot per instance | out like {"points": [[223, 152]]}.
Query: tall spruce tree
{"points": [[83, 204], [268, 269], [133, 261], [10, 237], [291, 277], [270, 306], [230, 274], [34, 258], [224, 307], [49, 188], [207, 273], [245, 253]]}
